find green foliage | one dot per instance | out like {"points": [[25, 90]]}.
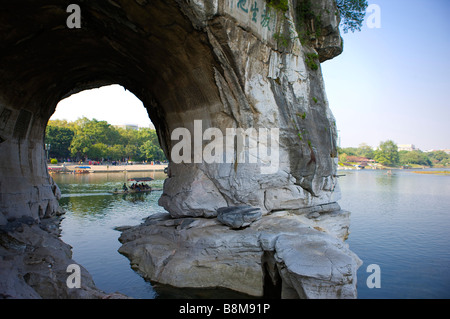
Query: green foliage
{"points": [[387, 154], [89, 133], [311, 61], [309, 21], [302, 115], [439, 158], [59, 135], [342, 157], [414, 157], [352, 14], [53, 161], [282, 40], [281, 5], [309, 24], [99, 140], [365, 150]]}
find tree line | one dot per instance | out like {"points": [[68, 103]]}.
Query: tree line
{"points": [[100, 141], [387, 154]]}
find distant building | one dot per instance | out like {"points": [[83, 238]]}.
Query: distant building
{"points": [[128, 127], [406, 147]]}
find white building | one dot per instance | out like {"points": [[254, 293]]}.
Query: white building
{"points": [[406, 147], [128, 127]]}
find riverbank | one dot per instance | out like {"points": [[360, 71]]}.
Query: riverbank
{"points": [[433, 172], [377, 166], [74, 168]]}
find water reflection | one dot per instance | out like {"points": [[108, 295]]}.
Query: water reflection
{"points": [[93, 213], [401, 223]]}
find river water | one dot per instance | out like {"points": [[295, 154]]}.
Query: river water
{"points": [[400, 223]]}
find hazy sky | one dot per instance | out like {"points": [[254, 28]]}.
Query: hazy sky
{"points": [[111, 103], [390, 83], [393, 82]]}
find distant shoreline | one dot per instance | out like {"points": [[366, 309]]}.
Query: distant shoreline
{"points": [[107, 168]]}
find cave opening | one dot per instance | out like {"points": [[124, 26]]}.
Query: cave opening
{"points": [[104, 128], [151, 49], [107, 125]]}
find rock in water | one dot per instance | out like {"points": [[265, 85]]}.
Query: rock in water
{"points": [[300, 259], [201, 68], [238, 216]]}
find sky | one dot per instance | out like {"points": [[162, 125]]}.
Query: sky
{"points": [[112, 103], [393, 82], [390, 83]]}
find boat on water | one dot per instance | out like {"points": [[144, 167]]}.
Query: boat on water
{"points": [[137, 187]]}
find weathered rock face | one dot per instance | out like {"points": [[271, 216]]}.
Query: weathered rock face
{"points": [[216, 62], [205, 71], [262, 84], [283, 255], [34, 264]]}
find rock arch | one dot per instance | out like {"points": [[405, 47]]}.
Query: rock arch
{"points": [[151, 49], [214, 61]]}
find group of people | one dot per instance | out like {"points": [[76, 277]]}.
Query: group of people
{"points": [[136, 186]]}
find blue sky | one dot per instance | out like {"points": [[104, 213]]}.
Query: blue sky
{"points": [[389, 83], [393, 82]]}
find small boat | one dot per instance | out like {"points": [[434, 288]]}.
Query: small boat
{"points": [[131, 191], [135, 188], [81, 169]]}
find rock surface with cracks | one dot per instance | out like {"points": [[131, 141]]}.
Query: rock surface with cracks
{"points": [[216, 62], [290, 250]]}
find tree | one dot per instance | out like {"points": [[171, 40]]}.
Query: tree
{"points": [[439, 157], [98, 151], [91, 132], [365, 150], [116, 152], [59, 138], [352, 14], [414, 157], [151, 152], [350, 151], [342, 157], [387, 154], [98, 140]]}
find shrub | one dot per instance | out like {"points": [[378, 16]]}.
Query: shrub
{"points": [[53, 161], [282, 5], [310, 59]]}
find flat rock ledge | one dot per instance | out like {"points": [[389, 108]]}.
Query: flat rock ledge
{"points": [[238, 216], [281, 255]]}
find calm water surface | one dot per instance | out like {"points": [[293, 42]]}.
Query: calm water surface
{"points": [[399, 222], [91, 216]]}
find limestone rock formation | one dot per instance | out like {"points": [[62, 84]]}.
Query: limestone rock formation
{"points": [[298, 260], [232, 81], [34, 263], [238, 216], [216, 62]]}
